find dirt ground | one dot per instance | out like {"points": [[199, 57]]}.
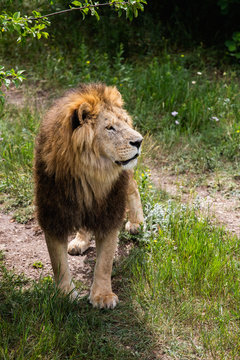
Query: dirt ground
{"points": [[24, 248], [23, 245]]}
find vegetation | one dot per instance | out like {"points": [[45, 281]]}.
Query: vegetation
{"points": [[180, 285]]}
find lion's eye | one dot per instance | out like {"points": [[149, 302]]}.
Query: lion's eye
{"points": [[110, 128]]}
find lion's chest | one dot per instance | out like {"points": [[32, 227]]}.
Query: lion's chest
{"points": [[108, 213], [61, 208]]}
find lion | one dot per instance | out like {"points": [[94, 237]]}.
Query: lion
{"points": [[85, 151]]}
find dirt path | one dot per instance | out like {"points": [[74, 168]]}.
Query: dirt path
{"points": [[24, 247]]}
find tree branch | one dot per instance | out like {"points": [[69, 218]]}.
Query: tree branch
{"points": [[74, 8]]}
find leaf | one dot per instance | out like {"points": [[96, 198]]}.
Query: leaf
{"points": [[7, 82], [231, 45], [135, 12], [76, 3], [16, 15]]}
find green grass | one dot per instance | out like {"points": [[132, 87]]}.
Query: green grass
{"points": [[37, 323], [186, 278]]}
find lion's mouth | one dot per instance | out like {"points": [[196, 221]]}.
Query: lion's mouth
{"points": [[126, 161]]}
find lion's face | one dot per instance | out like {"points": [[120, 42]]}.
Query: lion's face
{"points": [[117, 142], [88, 132]]}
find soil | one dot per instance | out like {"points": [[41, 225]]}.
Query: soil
{"points": [[24, 249]]}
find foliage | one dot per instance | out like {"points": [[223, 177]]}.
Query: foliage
{"points": [[9, 77], [35, 26], [234, 45]]}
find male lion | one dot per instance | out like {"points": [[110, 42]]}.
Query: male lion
{"points": [[84, 154]]}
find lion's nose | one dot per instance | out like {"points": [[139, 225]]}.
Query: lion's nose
{"points": [[136, 143]]}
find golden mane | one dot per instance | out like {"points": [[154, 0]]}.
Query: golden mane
{"points": [[65, 151], [63, 144]]}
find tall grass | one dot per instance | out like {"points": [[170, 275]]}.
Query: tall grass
{"points": [[36, 322], [186, 276]]}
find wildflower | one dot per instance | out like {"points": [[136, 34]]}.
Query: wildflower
{"points": [[177, 122], [182, 55], [174, 113], [143, 174], [224, 74], [238, 131], [150, 186], [120, 84], [199, 73], [88, 62], [3, 29], [215, 118], [1, 139], [193, 82], [154, 241]]}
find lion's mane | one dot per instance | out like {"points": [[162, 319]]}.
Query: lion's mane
{"points": [[74, 188]]}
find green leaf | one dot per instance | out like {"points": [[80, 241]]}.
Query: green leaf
{"points": [[16, 15], [76, 3], [7, 82], [231, 45]]}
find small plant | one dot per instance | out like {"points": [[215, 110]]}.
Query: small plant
{"points": [[38, 265]]}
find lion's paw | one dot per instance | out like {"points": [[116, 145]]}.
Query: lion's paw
{"points": [[69, 290], [108, 301], [132, 228], [78, 246]]}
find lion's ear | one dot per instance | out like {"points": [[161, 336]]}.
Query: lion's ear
{"points": [[80, 116]]}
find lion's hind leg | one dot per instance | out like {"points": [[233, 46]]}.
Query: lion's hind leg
{"points": [[80, 243], [57, 249], [134, 207]]}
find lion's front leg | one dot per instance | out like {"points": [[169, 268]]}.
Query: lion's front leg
{"points": [[57, 249], [134, 207], [101, 294]]}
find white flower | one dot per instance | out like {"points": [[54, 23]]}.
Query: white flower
{"points": [[177, 122], [215, 118], [174, 113], [193, 82], [199, 73]]}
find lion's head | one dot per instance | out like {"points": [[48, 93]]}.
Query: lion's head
{"points": [[93, 134]]}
